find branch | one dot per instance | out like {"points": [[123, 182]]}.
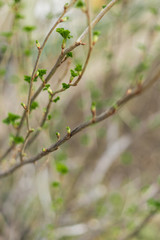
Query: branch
{"points": [[130, 94], [97, 19]]}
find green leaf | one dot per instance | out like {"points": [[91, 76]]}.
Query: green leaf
{"points": [[65, 85], [104, 6], [55, 184], [80, 4], [11, 119], [41, 73], [19, 16], [6, 34], [78, 68], [34, 105], [27, 78], [16, 139], [64, 33], [73, 73], [29, 28], [69, 54], [56, 99], [49, 117], [47, 86], [61, 168], [154, 203], [27, 52]]}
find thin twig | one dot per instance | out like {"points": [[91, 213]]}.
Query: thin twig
{"points": [[97, 19], [90, 43]]}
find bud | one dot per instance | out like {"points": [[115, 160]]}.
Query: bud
{"points": [[64, 19], [129, 91], [32, 130], [50, 91], [66, 6], [44, 149], [95, 37], [68, 130], [93, 111], [24, 105], [58, 135], [38, 44]]}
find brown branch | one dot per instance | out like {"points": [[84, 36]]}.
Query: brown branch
{"points": [[130, 94]]}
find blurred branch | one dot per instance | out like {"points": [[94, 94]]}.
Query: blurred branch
{"points": [[137, 230], [130, 94]]}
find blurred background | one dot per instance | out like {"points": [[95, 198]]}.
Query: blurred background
{"points": [[97, 185]]}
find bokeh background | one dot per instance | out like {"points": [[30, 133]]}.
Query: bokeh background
{"points": [[112, 168]]}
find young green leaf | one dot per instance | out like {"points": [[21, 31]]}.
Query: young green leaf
{"points": [[64, 33], [154, 203], [73, 73], [61, 168], [16, 139], [34, 105], [80, 4], [6, 34], [27, 78], [49, 117], [69, 54], [56, 99], [78, 68], [11, 119], [55, 184], [65, 86], [29, 28], [47, 86]]}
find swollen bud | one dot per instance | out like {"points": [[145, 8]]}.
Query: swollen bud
{"points": [[66, 6], [58, 135], [93, 111], [64, 19], [24, 105], [96, 35], [68, 131], [38, 44], [44, 149]]}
